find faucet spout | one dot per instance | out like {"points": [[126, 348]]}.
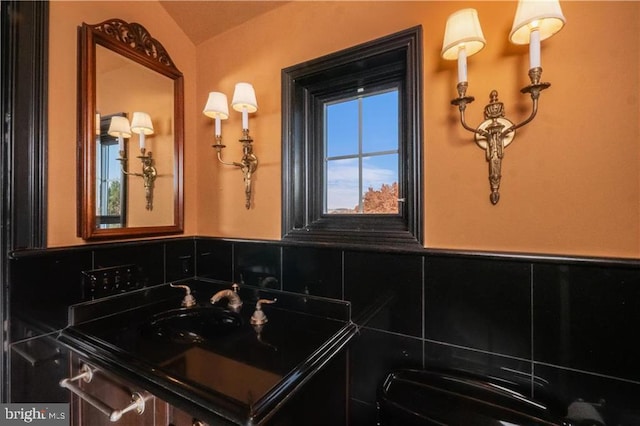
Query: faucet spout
{"points": [[235, 303]]}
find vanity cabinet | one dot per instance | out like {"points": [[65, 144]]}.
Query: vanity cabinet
{"points": [[321, 402], [211, 363], [117, 393]]}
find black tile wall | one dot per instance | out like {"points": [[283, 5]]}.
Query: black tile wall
{"points": [[559, 326], [374, 354], [180, 260], [311, 270], [480, 362], [214, 259], [41, 289], [257, 265], [615, 400], [480, 304], [385, 290], [587, 317], [148, 257]]}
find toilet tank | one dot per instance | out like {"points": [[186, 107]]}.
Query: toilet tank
{"points": [[445, 397]]}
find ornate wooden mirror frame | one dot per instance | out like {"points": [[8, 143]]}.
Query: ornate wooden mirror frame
{"points": [[132, 41]]}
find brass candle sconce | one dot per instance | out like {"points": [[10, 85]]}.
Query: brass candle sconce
{"points": [[244, 101], [142, 125], [534, 21]]}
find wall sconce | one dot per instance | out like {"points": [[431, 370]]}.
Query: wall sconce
{"points": [[244, 100], [534, 21], [140, 124]]}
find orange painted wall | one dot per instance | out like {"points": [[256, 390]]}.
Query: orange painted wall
{"points": [[571, 178], [64, 18]]}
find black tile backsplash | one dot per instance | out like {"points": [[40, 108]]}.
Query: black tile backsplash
{"points": [[616, 400], [385, 290], [480, 362], [257, 265], [375, 353], [563, 326], [312, 270], [214, 259], [180, 260], [42, 287], [479, 304], [148, 257], [586, 318]]}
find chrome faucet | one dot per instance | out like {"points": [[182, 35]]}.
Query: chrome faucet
{"points": [[235, 303]]}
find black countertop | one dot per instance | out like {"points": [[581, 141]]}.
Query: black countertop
{"points": [[240, 375]]}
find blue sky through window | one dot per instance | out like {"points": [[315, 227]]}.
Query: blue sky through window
{"points": [[361, 147]]}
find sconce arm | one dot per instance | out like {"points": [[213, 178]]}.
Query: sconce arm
{"points": [[534, 111], [480, 132], [124, 170], [248, 164], [226, 163], [132, 174], [461, 102], [534, 89]]}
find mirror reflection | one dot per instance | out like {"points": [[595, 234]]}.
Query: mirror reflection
{"points": [[125, 88], [131, 103], [111, 185]]}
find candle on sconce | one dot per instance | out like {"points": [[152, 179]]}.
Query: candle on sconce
{"points": [[217, 109], [462, 64], [244, 100], [218, 129], [536, 21], [462, 38], [245, 118], [534, 48]]}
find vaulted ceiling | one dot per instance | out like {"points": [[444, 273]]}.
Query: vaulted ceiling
{"points": [[203, 19]]}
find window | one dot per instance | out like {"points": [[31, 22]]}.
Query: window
{"points": [[352, 147], [361, 154], [111, 183]]}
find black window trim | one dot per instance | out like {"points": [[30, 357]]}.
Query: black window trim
{"points": [[304, 87]]}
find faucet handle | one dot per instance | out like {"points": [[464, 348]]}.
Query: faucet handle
{"points": [[188, 300], [266, 301], [258, 317]]}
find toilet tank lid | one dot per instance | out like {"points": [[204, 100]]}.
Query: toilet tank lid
{"points": [[433, 393]]}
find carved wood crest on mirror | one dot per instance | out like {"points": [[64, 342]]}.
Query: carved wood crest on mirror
{"points": [[130, 134]]}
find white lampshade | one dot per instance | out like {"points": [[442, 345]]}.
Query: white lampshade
{"points": [[462, 29], [545, 15], [141, 123], [217, 106], [244, 97], [119, 126]]}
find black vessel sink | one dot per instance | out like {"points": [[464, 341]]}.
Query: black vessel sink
{"points": [[200, 324]]}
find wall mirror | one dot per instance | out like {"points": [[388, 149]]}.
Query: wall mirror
{"points": [[130, 180]]}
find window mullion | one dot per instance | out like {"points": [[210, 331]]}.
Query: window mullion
{"points": [[360, 178]]}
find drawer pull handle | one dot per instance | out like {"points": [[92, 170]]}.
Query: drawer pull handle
{"points": [[137, 400]]}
